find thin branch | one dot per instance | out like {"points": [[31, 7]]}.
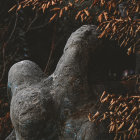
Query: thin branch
{"points": [[52, 48], [5, 44]]}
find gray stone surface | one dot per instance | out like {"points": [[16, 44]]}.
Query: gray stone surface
{"points": [[56, 107]]}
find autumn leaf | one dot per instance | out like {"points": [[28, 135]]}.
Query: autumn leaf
{"points": [[87, 13], [61, 12], [78, 14], [100, 17], [12, 8], [52, 18], [19, 7], [55, 9]]}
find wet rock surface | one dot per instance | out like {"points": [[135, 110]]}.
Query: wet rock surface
{"points": [[56, 107]]}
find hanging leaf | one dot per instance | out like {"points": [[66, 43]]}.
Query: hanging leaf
{"points": [[100, 17], [55, 9], [61, 12], [87, 13], [105, 15], [52, 18], [19, 7], [78, 14], [12, 8]]}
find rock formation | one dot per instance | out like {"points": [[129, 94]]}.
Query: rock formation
{"points": [[56, 107]]}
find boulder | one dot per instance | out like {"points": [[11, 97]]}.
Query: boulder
{"points": [[56, 107]]}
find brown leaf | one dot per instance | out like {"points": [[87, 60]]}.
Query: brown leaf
{"points": [[53, 3], [105, 15], [131, 127], [100, 17], [133, 110], [102, 2], [121, 126], [129, 51], [70, 4], [104, 93], [87, 13], [96, 115], [12, 8], [61, 12], [19, 7], [55, 9], [66, 8], [52, 18], [78, 14]]}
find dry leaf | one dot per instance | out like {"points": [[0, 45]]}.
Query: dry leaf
{"points": [[12, 8], [133, 110], [19, 7], [78, 14], [55, 9], [100, 17], [87, 13], [121, 126], [52, 18], [96, 115], [104, 93], [131, 127], [61, 12]]}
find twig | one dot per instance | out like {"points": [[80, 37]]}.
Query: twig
{"points": [[34, 19], [52, 48], [5, 44]]}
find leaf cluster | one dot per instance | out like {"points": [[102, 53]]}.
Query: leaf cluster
{"points": [[123, 114], [117, 19]]}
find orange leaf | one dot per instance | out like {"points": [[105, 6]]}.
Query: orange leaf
{"points": [[12, 8], [87, 13], [19, 7], [61, 12], [105, 15], [55, 9], [52, 18], [78, 14], [100, 17]]}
